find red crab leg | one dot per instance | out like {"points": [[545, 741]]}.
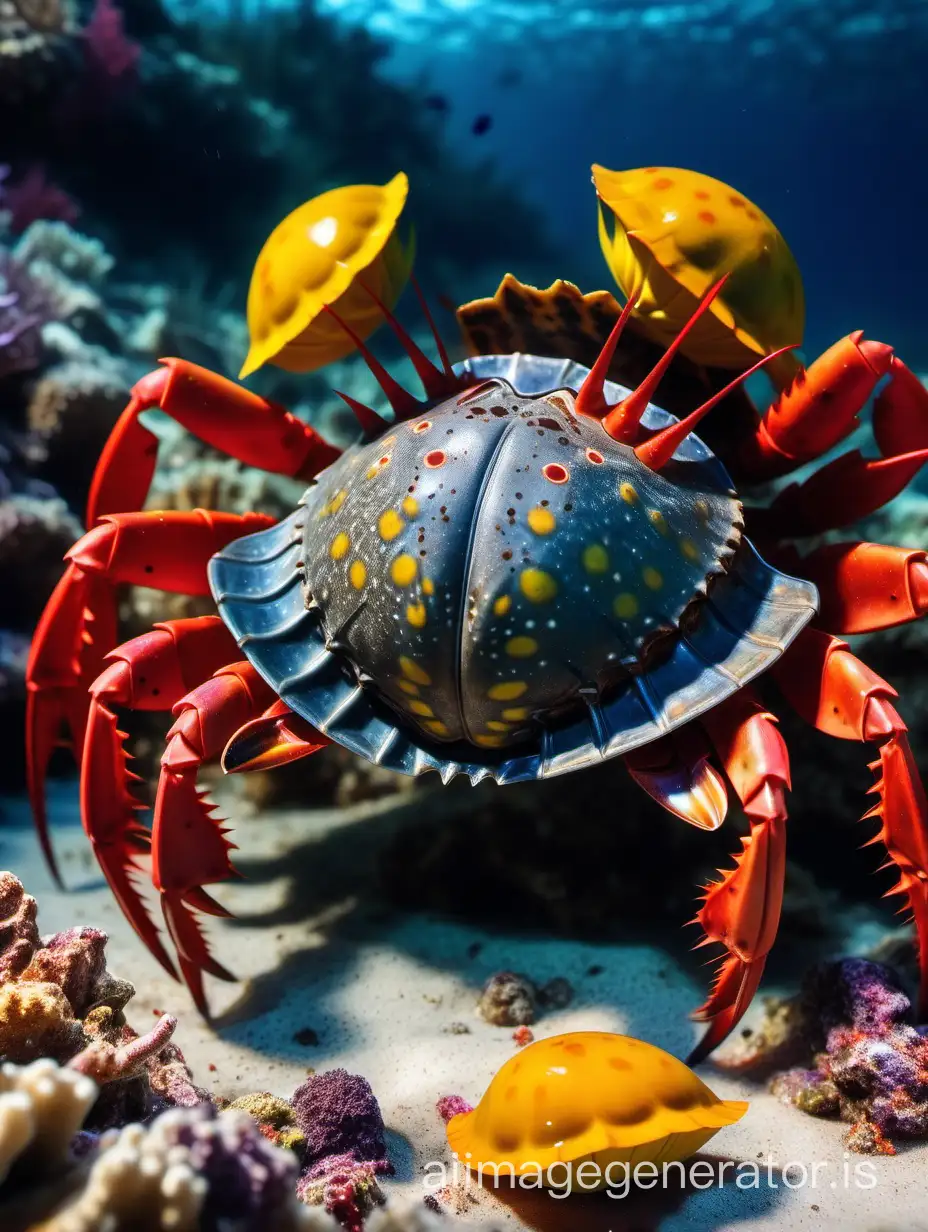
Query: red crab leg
{"points": [[218, 411], [150, 672], [189, 847], [846, 490], [816, 411], [840, 695], [742, 911], [78, 626], [677, 772], [863, 586]]}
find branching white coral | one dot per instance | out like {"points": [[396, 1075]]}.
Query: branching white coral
{"points": [[42, 1106]]}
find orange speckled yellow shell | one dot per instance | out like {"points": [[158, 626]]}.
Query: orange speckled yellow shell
{"points": [[313, 258], [668, 235], [590, 1095]]}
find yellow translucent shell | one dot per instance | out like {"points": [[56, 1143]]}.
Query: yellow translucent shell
{"points": [[590, 1095], [668, 235], [313, 258]]}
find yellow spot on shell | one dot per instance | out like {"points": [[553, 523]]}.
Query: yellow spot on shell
{"points": [[690, 550], [340, 545], [537, 586], [521, 647], [541, 521], [334, 504], [390, 525], [590, 1094], [496, 726], [653, 578], [412, 671], [410, 506], [595, 558], [428, 586], [488, 742], [702, 509], [357, 574], [625, 606], [436, 726], [515, 714], [416, 615], [408, 687], [507, 692], [403, 570], [422, 708], [502, 605], [658, 521], [628, 494]]}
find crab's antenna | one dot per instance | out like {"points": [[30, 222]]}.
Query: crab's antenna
{"points": [[657, 450], [404, 404], [623, 419], [591, 398], [434, 380], [371, 423]]}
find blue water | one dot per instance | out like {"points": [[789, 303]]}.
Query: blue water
{"points": [[815, 109]]}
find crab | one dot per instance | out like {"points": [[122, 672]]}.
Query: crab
{"points": [[532, 569]]}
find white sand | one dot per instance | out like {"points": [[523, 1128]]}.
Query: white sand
{"points": [[382, 992]]}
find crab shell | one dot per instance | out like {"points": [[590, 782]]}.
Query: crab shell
{"points": [[497, 588], [589, 1095], [312, 260], [668, 235]]}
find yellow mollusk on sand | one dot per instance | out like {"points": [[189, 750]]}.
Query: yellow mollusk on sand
{"points": [[668, 235], [588, 1096], [320, 255]]}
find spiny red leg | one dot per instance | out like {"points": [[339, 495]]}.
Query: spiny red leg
{"points": [[150, 672], [900, 413], [846, 490], [218, 411], [677, 772], [864, 586], [742, 911], [78, 626], [189, 847], [837, 693]]}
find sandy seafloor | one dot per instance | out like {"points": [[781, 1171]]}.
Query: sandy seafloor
{"points": [[382, 991]]}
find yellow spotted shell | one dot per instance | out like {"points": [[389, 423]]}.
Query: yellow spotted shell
{"points": [[668, 235], [589, 1095], [318, 256]]}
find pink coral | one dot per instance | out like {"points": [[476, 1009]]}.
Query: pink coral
{"points": [[33, 197], [110, 53], [19, 935]]}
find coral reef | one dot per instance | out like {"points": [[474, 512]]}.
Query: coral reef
{"points": [[188, 1169], [58, 1000], [869, 1061]]}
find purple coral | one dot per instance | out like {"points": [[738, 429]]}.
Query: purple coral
{"points": [[345, 1149], [872, 1070], [23, 311]]}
